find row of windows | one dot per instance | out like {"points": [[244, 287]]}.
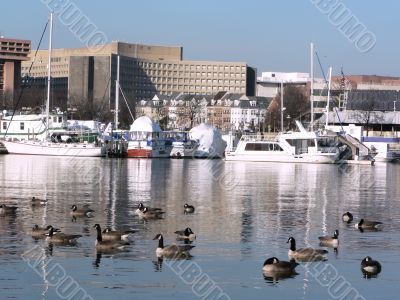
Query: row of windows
{"points": [[44, 67], [21, 125], [192, 67], [196, 87], [192, 81], [194, 74], [263, 147]]}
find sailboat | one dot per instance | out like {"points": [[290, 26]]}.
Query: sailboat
{"points": [[47, 146]]}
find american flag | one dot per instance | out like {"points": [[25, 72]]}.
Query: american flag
{"points": [[344, 82]]}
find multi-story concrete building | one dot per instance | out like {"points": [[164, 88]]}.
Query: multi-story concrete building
{"points": [[12, 53], [145, 71], [268, 84]]}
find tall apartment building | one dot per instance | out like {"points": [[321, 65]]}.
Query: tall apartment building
{"points": [[89, 74], [12, 53]]}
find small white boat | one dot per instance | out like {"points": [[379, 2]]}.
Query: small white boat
{"points": [[147, 140], [182, 145], [298, 147]]}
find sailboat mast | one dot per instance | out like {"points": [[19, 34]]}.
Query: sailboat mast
{"points": [[329, 96], [117, 96], [312, 86], [282, 108], [49, 74]]}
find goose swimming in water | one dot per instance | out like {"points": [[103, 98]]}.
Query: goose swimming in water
{"points": [[330, 241], [188, 209], [36, 202], [150, 215], [274, 265], [39, 232], [305, 254], [116, 235], [172, 251], [7, 210], [85, 211], [369, 225], [102, 244], [347, 217], [141, 207], [370, 266], [61, 238], [186, 234]]}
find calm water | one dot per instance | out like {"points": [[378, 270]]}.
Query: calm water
{"points": [[245, 213]]}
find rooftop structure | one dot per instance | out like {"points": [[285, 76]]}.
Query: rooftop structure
{"points": [[12, 52]]}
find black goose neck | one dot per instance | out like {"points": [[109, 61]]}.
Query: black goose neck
{"points": [[292, 245], [99, 236], [161, 242]]}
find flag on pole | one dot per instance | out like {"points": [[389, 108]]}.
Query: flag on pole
{"points": [[344, 82]]}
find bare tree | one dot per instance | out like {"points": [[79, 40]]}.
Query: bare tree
{"points": [[193, 111], [295, 102], [367, 114]]}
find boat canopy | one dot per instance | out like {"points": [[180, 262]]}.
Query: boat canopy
{"points": [[145, 124]]}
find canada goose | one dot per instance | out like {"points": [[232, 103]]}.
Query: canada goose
{"points": [[369, 225], [85, 211], [186, 234], [61, 238], [370, 266], [188, 209], [39, 232], [274, 265], [172, 251], [7, 210], [347, 217], [116, 235], [330, 241], [38, 202], [146, 214], [109, 244], [305, 254], [141, 207]]}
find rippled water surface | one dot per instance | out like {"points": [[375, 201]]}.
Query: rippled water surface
{"points": [[245, 213]]}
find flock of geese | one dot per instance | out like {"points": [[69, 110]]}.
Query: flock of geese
{"points": [[108, 239], [275, 269]]}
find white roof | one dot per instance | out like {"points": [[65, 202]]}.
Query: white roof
{"points": [[146, 124]]}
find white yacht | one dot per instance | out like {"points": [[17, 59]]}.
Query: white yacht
{"points": [[301, 147]]}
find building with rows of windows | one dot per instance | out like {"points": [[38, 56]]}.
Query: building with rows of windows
{"points": [[89, 74]]}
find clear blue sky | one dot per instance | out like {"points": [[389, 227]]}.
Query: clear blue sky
{"points": [[269, 35]]}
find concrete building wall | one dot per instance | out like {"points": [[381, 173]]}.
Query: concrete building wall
{"points": [[101, 78], [78, 78]]}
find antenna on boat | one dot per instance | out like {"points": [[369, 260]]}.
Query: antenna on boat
{"points": [[49, 74]]}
